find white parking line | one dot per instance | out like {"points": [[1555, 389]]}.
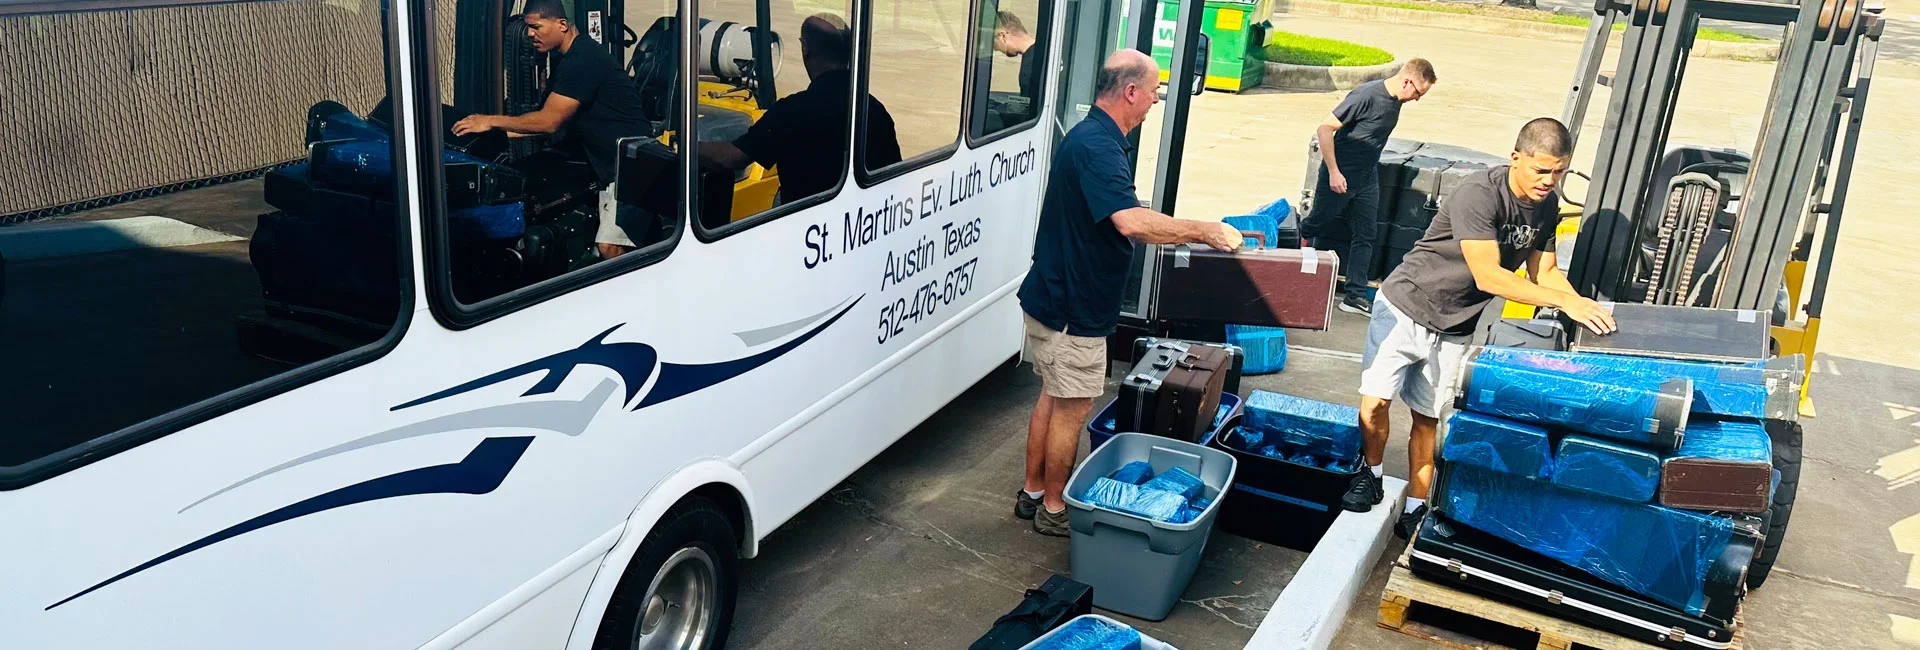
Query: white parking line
{"points": [[1323, 352]]}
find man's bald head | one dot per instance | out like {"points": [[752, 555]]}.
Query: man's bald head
{"points": [[1128, 87], [827, 35], [825, 43], [1126, 67]]}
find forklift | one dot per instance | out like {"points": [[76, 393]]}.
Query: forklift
{"points": [[1674, 224], [1738, 237]]}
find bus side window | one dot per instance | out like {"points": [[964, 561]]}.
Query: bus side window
{"points": [[1010, 65], [568, 160], [186, 218], [768, 145], [915, 65]]}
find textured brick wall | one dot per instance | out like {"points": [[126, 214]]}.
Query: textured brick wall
{"points": [[104, 103]]}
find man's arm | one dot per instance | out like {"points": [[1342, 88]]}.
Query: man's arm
{"points": [[724, 154], [1483, 259], [1149, 227], [1335, 179], [555, 112], [762, 142], [1107, 188], [1544, 268]]}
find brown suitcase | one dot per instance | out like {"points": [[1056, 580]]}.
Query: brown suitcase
{"points": [[1175, 391], [1270, 287], [1715, 486], [1721, 466]]}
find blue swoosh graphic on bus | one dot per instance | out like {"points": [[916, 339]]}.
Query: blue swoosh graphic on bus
{"points": [[565, 417], [483, 470], [635, 363], [632, 361], [486, 467], [677, 380]]}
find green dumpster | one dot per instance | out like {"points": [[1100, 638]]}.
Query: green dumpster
{"points": [[1237, 31]]}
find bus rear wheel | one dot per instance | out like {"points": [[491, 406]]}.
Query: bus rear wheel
{"points": [[678, 593]]}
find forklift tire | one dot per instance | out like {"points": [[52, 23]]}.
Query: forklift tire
{"points": [[1786, 438]]}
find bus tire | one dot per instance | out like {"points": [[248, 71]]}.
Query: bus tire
{"points": [[1786, 439], [679, 590]]}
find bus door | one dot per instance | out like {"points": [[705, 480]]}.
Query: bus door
{"points": [[1093, 31]]}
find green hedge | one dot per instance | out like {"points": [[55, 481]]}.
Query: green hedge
{"points": [[1510, 13], [1299, 49]]}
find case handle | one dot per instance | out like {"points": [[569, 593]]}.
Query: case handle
{"points": [[1571, 407], [1259, 238]]}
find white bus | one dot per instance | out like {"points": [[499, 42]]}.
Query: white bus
{"points": [[252, 400]]}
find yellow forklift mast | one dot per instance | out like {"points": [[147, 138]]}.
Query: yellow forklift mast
{"points": [[1675, 224]]}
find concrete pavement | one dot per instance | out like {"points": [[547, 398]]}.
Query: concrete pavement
{"points": [[919, 549]]}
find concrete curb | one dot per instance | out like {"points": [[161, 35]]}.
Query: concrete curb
{"points": [[1324, 78], [63, 239], [1309, 612], [1769, 51]]}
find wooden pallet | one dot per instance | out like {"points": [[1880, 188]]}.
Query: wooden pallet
{"points": [[1457, 619]]}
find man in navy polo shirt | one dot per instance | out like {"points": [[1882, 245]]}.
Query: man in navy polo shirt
{"points": [[1089, 220]]}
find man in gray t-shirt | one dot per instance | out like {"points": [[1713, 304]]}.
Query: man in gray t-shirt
{"points": [[1428, 306], [1347, 194]]}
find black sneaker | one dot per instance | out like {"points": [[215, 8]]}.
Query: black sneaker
{"points": [[1052, 524], [1410, 522], [1364, 493], [1023, 505], [1357, 305]]}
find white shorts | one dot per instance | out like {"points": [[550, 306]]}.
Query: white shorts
{"points": [[612, 230], [1405, 360]]}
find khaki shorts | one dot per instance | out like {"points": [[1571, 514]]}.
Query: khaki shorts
{"points": [[1070, 367]]}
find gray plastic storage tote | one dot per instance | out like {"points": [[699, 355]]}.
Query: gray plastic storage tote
{"points": [[1136, 566]]}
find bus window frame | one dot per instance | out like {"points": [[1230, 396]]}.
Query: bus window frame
{"points": [[863, 35], [1042, 22], [447, 308], [710, 235], [14, 477]]}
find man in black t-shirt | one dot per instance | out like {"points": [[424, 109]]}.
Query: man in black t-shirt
{"points": [[1348, 188], [1011, 38], [1428, 307], [590, 97], [803, 136]]}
